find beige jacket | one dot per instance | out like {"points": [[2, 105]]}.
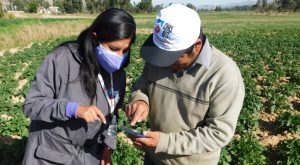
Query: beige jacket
{"points": [[195, 110]]}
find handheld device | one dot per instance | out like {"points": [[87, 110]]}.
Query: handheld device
{"points": [[132, 132]]}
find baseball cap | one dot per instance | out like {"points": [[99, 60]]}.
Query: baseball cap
{"points": [[176, 28]]}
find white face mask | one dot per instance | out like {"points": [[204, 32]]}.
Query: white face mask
{"points": [[109, 60]]}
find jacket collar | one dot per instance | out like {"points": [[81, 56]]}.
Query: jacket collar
{"points": [[204, 57]]}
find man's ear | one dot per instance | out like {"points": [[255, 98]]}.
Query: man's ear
{"points": [[198, 45]]}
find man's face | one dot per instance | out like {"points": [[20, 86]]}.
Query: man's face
{"points": [[183, 62], [186, 59]]}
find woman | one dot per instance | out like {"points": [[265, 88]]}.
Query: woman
{"points": [[73, 99]]}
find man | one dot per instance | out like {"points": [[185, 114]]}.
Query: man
{"points": [[192, 92]]}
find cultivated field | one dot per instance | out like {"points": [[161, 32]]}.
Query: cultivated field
{"points": [[265, 46]]}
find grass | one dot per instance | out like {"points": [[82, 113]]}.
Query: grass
{"points": [[224, 21], [240, 21], [7, 25], [19, 32]]}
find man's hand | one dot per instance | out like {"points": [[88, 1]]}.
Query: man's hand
{"points": [[137, 111], [90, 113], [106, 156], [149, 141]]}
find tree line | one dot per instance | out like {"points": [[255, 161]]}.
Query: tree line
{"points": [[278, 5], [144, 6], [82, 6], [265, 5]]}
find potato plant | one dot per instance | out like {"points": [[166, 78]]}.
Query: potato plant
{"points": [[269, 62]]}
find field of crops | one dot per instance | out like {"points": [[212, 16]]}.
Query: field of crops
{"points": [[267, 50]]}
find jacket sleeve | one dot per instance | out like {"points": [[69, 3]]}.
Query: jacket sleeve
{"points": [[226, 100], [41, 101], [140, 87]]}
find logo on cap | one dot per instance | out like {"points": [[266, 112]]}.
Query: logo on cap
{"points": [[161, 22], [157, 29], [167, 30]]}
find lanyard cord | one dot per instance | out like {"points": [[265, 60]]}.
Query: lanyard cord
{"points": [[111, 100]]}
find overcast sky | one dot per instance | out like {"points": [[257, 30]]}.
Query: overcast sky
{"points": [[198, 2]]}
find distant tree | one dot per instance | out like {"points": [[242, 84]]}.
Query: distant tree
{"points": [[218, 8], [72, 6], [95, 6], [113, 3], [32, 7], [59, 4], [287, 5], [157, 8], [44, 3], [145, 6], [241, 8], [279, 5], [264, 4], [274, 5], [191, 6], [68, 6], [1, 11], [77, 5], [293, 5], [20, 4], [126, 5], [259, 5]]}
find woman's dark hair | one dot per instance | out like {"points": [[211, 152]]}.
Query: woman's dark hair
{"points": [[111, 25]]}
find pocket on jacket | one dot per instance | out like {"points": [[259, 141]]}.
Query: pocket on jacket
{"points": [[48, 154]]}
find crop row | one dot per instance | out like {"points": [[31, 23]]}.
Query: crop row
{"points": [[269, 62]]}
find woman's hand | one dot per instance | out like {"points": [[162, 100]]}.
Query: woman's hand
{"points": [[106, 156], [90, 113]]}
